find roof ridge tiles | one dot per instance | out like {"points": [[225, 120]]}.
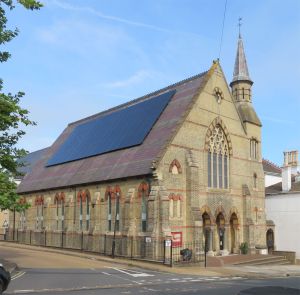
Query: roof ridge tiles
{"points": [[139, 99], [272, 164]]}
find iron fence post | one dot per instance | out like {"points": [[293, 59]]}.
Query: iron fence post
{"points": [[45, 241], [164, 251], [171, 254], [14, 223], [205, 247], [62, 239], [131, 246], [82, 241], [30, 236], [104, 244]]}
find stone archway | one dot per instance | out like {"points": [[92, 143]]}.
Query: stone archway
{"points": [[270, 240], [233, 233]]}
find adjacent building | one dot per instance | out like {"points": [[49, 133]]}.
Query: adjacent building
{"points": [[283, 206], [28, 161], [272, 173]]}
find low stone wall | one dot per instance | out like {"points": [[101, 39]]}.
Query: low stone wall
{"points": [[289, 255]]}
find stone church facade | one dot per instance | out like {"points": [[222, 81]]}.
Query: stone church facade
{"points": [[198, 174]]}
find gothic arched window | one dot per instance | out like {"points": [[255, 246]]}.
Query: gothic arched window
{"points": [[218, 159]]}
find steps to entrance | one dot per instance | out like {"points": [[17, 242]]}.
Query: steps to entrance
{"points": [[266, 260], [240, 260]]}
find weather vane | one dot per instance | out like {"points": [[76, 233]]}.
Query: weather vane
{"points": [[240, 24]]}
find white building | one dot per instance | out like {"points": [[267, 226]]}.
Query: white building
{"points": [[283, 206], [272, 173]]}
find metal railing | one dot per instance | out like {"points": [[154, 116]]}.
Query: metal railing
{"points": [[139, 248]]}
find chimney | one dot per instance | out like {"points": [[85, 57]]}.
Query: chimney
{"points": [[286, 173]]}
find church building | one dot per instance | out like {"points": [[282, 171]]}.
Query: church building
{"points": [[181, 163]]}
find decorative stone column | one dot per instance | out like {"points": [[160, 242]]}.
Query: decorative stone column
{"points": [[210, 241]]}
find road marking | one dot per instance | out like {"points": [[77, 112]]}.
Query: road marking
{"points": [[24, 291], [132, 273], [18, 275], [106, 273], [198, 280]]}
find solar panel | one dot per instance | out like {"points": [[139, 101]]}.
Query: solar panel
{"points": [[118, 130]]}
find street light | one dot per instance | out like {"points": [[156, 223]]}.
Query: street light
{"points": [[116, 216]]}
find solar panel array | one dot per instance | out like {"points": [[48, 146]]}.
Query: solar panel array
{"points": [[118, 130]]}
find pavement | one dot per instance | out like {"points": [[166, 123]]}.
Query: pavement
{"points": [[255, 272]]}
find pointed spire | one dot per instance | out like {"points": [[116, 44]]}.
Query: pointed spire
{"points": [[241, 72]]}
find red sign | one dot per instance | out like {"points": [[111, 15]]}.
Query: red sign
{"points": [[176, 239]]}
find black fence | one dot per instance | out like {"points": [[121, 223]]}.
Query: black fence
{"points": [[139, 248]]}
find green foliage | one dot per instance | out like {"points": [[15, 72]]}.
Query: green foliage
{"points": [[244, 248], [12, 117]]}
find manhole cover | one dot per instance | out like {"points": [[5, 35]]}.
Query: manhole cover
{"points": [[272, 290]]}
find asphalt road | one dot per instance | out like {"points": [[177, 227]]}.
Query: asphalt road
{"points": [[52, 273], [113, 281]]}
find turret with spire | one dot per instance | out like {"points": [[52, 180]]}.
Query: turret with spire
{"points": [[241, 82], [241, 86]]}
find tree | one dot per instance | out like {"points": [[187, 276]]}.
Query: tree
{"points": [[12, 118]]}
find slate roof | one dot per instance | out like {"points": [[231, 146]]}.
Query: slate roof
{"points": [[129, 162], [270, 167], [29, 161], [277, 188]]}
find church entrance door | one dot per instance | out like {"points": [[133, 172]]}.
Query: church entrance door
{"points": [[270, 240], [221, 230], [207, 233]]}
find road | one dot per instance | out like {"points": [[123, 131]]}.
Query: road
{"points": [[52, 273]]}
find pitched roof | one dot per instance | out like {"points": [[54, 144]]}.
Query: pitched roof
{"points": [[29, 161], [270, 167], [248, 113], [277, 188], [127, 162]]}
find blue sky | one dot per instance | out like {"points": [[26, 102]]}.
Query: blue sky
{"points": [[77, 57]]}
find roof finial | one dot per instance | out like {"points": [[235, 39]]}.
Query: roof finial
{"points": [[240, 24]]}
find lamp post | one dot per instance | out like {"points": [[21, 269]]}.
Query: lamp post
{"points": [[116, 216]]}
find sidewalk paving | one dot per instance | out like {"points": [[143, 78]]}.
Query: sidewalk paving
{"points": [[224, 271]]}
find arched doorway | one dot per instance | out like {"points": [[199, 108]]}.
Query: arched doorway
{"points": [[220, 221], [233, 232], [207, 234], [270, 240]]}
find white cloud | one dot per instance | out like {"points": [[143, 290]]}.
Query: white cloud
{"points": [[98, 13], [277, 120], [138, 77], [82, 37]]}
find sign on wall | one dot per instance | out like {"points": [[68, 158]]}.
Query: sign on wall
{"points": [[177, 239]]}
